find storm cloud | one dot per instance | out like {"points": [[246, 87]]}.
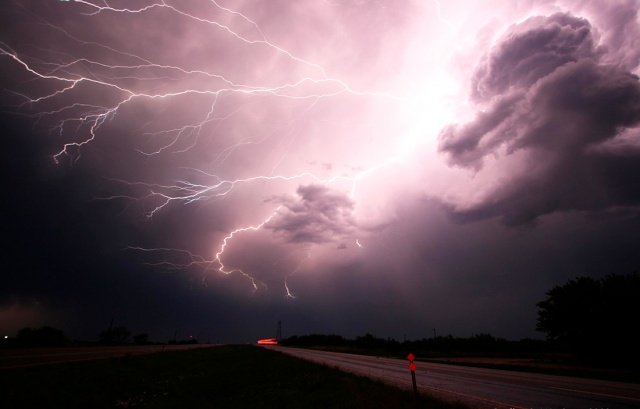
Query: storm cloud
{"points": [[318, 215], [547, 95]]}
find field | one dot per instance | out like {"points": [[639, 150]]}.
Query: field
{"points": [[219, 377]]}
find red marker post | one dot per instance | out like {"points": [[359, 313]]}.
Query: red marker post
{"points": [[412, 367]]}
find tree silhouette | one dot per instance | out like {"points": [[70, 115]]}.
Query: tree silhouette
{"points": [[117, 335], [141, 339], [570, 311], [595, 317], [45, 336]]}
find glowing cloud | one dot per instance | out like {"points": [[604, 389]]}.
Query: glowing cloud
{"points": [[548, 96]]}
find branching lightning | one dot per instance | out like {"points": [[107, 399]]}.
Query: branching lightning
{"points": [[122, 83]]}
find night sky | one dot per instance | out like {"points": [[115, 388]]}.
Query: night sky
{"points": [[350, 167]]}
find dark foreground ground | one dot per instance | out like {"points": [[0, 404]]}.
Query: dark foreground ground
{"points": [[219, 377]]}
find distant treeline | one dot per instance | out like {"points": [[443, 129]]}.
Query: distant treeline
{"points": [[53, 337], [596, 320], [427, 347], [38, 337]]}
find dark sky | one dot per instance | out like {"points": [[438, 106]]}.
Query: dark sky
{"points": [[213, 167]]}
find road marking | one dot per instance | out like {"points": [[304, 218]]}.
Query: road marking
{"points": [[495, 402], [595, 393]]}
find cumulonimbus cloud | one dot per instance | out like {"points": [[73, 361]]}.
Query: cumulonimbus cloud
{"points": [[318, 214], [549, 93]]}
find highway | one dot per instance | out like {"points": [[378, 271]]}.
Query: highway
{"points": [[483, 388], [22, 358]]}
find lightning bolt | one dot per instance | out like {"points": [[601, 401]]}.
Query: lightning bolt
{"points": [[298, 267], [226, 240], [439, 6], [206, 265], [124, 84], [95, 115]]}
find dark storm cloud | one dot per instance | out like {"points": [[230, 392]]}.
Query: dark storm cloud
{"points": [[533, 50], [545, 93], [319, 214]]}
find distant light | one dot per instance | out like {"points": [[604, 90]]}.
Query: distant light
{"points": [[268, 341], [6, 336]]}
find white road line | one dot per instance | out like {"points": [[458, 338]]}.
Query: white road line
{"points": [[595, 393]]}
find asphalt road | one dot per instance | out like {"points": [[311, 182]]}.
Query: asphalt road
{"points": [[21, 358], [484, 388]]}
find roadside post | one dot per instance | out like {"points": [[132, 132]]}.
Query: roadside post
{"points": [[412, 368]]}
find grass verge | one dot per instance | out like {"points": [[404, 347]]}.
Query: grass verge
{"points": [[220, 377]]}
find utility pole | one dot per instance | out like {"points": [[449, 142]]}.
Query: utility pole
{"points": [[434, 333], [279, 332]]}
